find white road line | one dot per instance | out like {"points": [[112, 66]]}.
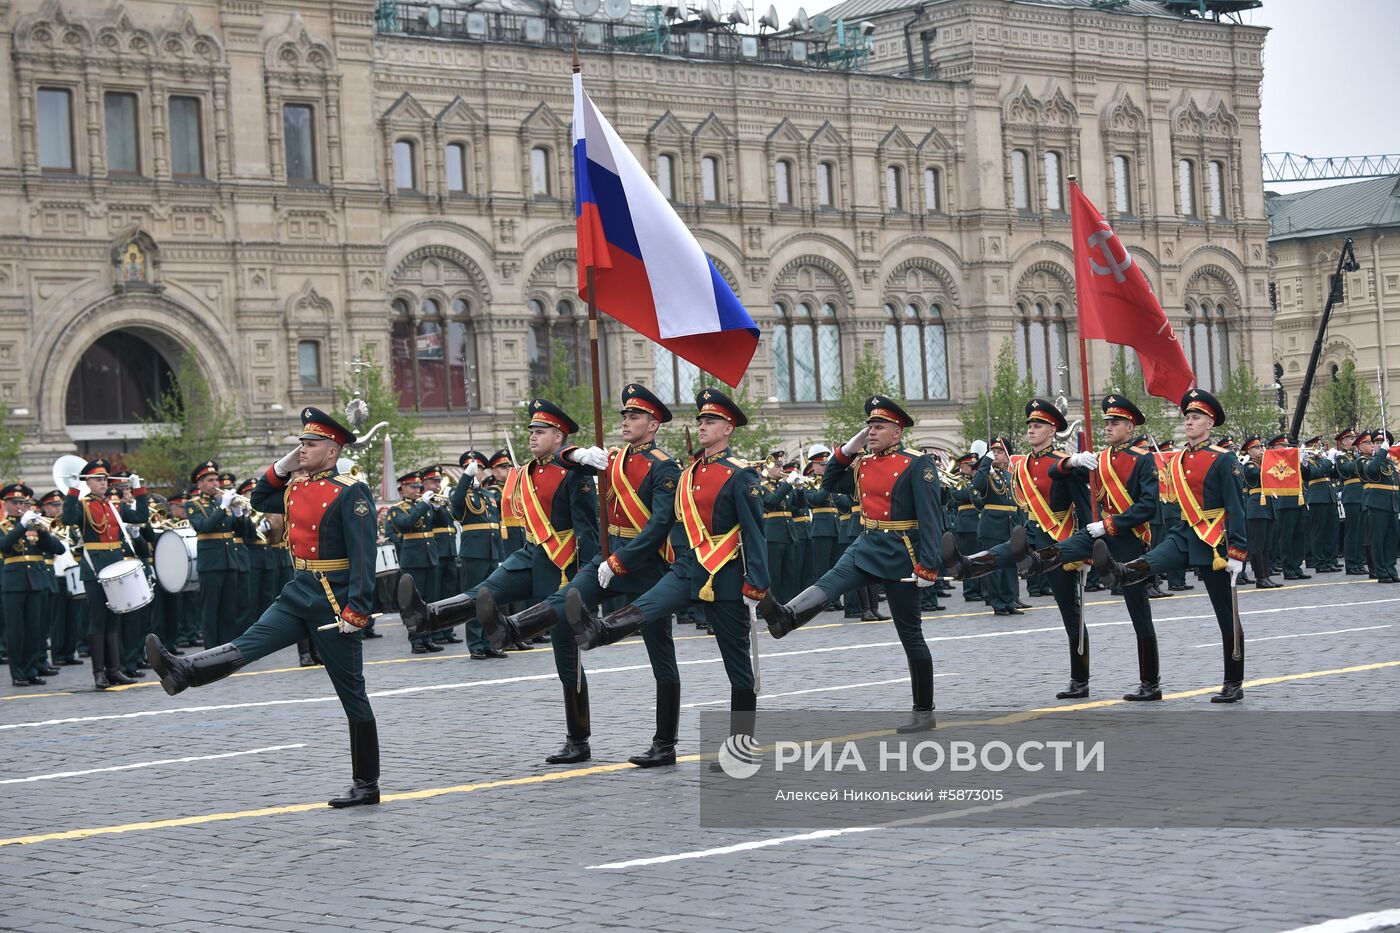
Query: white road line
{"points": [[1372, 921], [525, 678], [1335, 631], [832, 833], [149, 764], [793, 693]]}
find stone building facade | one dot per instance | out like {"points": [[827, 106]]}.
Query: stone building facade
{"points": [[270, 187]]}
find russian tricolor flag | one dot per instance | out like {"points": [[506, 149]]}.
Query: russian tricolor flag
{"points": [[648, 270]]}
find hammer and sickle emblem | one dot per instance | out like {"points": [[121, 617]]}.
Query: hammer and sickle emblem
{"points": [[1100, 240]]}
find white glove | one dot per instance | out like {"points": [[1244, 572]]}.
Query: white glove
{"points": [[750, 602], [227, 498], [921, 583], [134, 528], [1303, 457], [70, 480], [136, 481], [1095, 529], [857, 443], [979, 447], [1333, 454], [793, 478], [1233, 567], [345, 628], [595, 457], [288, 463], [605, 575], [472, 469], [237, 511], [28, 518], [1084, 459], [264, 527]]}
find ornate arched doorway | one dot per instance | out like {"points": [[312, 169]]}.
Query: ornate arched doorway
{"points": [[115, 387]]}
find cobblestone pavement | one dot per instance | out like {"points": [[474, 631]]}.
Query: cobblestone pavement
{"points": [[477, 833]]}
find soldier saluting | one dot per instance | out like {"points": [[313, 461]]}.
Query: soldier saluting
{"points": [[899, 493], [331, 534], [1211, 536]]}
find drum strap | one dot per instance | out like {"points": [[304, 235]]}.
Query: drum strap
{"points": [[87, 555]]}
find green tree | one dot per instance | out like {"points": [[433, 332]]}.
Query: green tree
{"points": [[11, 440], [1347, 400], [563, 388], [1249, 406], [187, 425], [411, 449], [1003, 410], [1127, 381], [845, 414]]}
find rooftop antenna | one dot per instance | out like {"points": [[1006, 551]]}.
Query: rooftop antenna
{"points": [[769, 20]]}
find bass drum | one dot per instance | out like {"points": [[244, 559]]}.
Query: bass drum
{"points": [[126, 586], [67, 569], [175, 560], [386, 561]]}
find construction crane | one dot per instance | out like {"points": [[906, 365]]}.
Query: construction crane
{"points": [[1290, 166]]}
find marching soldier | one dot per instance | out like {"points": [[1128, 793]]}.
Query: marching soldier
{"points": [[1353, 490], [777, 495], [1381, 485], [1127, 494], [1290, 517], [1210, 537], [67, 609], [801, 528], [559, 508], [411, 527], [212, 518], [641, 515], [103, 545], [330, 524], [721, 567], [1057, 503], [966, 516], [24, 544], [824, 505], [240, 587], [899, 492], [255, 546], [475, 503], [1321, 500], [1259, 514], [444, 544], [507, 482], [994, 503]]}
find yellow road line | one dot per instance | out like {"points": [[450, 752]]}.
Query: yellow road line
{"points": [[35, 696], [431, 792]]}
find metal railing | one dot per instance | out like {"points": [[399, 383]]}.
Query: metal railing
{"points": [[644, 30]]}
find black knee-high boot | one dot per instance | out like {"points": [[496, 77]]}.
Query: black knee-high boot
{"points": [[575, 747], [364, 766], [668, 720], [193, 670]]}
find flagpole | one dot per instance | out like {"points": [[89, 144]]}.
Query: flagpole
{"points": [[1088, 408], [597, 385]]}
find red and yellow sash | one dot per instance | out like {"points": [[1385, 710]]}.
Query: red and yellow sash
{"points": [[1115, 493], [1058, 525], [629, 503], [1209, 524], [510, 501], [1166, 485], [559, 546], [711, 553]]}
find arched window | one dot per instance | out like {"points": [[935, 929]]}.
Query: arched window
{"points": [[1054, 184], [1042, 347], [540, 185], [674, 380], [1122, 194], [118, 381], [826, 194], [666, 175], [405, 172], [709, 179], [894, 188], [1208, 344], [1020, 180], [1186, 187], [933, 190], [916, 351], [560, 338], [807, 353], [782, 182], [433, 355], [456, 159], [1216, 182]]}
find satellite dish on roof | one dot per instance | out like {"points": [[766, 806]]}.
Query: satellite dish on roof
{"points": [[822, 25], [739, 16], [675, 9], [616, 9], [800, 21], [587, 7], [710, 11], [769, 19]]}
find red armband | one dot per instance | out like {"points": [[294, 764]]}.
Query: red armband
{"points": [[924, 573], [753, 592], [357, 619], [616, 565], [1235, 553]]}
